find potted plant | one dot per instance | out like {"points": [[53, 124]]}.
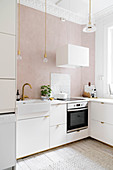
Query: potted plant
{"points": [[45, 92]]}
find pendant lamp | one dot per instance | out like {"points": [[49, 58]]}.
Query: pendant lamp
{"points": [[90, 27], [45, 60]]}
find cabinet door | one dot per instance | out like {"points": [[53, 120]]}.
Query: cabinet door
{"points": [[7, 56], [7, 141], [77, 135], [102, 131], [7, 16], [102, 112], [32, 136], [57, 135], [7, 95], [58, 114]]}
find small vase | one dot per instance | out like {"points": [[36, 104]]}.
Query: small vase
{"points": [[44, 97]]}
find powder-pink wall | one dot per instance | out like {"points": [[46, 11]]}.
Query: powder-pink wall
{"points": [[31, 68]]}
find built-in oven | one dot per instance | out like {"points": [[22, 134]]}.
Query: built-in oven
{"points": [[77, 116]]}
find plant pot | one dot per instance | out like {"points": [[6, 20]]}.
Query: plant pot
{"points": [[44, 97]]}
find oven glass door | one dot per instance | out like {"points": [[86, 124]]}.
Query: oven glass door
{"points": [[77, 118]]}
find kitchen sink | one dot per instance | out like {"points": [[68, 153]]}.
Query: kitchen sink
{"points": [[32, 106], [30, 101]]}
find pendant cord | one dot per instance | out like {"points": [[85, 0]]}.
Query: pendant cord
{"points": [[89, 11], [19, 26], [45, 24]]}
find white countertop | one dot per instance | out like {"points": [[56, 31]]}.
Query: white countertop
{"points": [[104, 100], [65, 102]]}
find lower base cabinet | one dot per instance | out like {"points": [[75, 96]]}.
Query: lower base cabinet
{"points": [[32, 136], [77, 135], [57, 135], [102, 131]]}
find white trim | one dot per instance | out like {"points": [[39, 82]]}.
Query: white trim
{"points": [[63, 13], [106, 12], [54, 10]]}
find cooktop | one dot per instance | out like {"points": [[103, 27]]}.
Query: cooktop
{"points": [[70, 99]]}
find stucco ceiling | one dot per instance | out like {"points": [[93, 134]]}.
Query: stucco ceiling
{"points": [[73, 10], [80, 7]]}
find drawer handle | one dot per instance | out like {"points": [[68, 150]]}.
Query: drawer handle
{"points": [[102, 122], [46, 116], [57, 125], [102, 102], [78, 130]]}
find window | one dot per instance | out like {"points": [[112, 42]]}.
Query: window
{"points": [[110, 60]]}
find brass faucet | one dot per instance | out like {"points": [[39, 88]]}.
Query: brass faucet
{"points": [[23, 97]]}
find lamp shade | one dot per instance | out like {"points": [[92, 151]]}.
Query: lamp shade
{"points": [[89, 28]]}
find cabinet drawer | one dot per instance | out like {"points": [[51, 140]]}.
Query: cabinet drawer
{"points": [[7, 95], [57, 135], [77, 135], [32, 136], [102, 131], [58, 114], [102, 112], [31, 115], [8, 16], [7, 56]]}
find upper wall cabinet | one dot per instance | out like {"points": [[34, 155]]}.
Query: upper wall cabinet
{"points": [[7, 56], [71, 56], [7, 16]]}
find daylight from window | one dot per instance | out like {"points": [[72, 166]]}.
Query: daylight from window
{"points": [[110, 59]]}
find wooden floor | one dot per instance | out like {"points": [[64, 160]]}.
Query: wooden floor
{"points": [[87, 154]]}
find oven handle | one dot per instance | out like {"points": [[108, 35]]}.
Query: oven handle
{"points": [[75, 110]]}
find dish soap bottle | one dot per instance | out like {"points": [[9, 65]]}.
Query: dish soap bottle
{"points": [[17, 95]]}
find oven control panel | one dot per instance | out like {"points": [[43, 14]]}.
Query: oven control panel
{"points": [[77, 105]]}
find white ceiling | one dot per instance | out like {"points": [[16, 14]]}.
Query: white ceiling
{"points": [[73, 10], [80, 7]]}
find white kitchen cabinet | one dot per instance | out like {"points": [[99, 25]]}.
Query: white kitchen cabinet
{"points": [[58, 125], [7, 141], [77, 135], [102, 112], [7, 56], [58, 114], [7, 95], [57, 135], [102, 122], [32, 136], [8, 16], [102, 131], [71, 56]]}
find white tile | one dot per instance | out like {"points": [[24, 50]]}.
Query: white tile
{"points": [[60, 83]]}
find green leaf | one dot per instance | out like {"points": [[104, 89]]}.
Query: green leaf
{"points": [[46, 90]]}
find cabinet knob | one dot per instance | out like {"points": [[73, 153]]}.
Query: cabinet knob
{"points": [[102, 122]]}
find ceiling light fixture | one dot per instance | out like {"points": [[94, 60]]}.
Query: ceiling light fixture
{"points": [[45, 60], [19, 57], [90, 26]]}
